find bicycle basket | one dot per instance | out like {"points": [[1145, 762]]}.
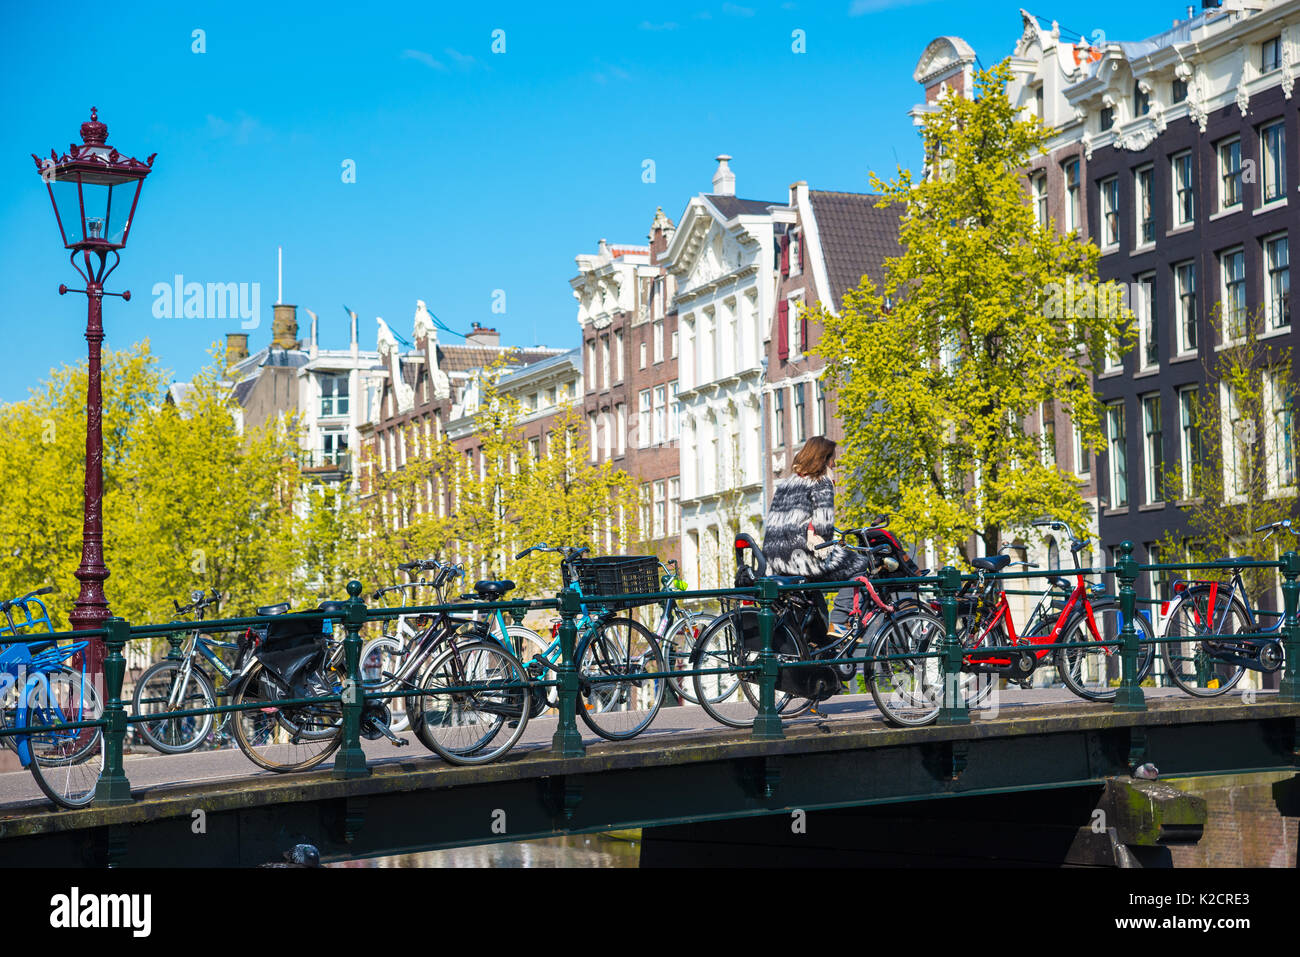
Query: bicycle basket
{"points": [[617, 575]]}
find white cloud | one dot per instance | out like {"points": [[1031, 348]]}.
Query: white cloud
{"points": [[647, 25], [860, 8], [426, 58]]}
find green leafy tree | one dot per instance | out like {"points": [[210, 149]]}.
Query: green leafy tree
{"points": [[983, 318], [1241, 470]]}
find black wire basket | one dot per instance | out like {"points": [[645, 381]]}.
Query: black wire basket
{"points": [[617, 575]]}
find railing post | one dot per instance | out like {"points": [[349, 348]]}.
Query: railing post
{"points": [[953, 710], [351, 759], [113, 787], [175, 639], [767, 723], [1129, 696], [1289, 689], [567, 741]]}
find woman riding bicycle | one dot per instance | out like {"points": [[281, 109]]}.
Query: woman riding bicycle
{"points": [[802, 517]]}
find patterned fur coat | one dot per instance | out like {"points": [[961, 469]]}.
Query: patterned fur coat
{"points": [[796, 502]]}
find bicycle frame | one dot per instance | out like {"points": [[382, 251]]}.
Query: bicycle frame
{"points": [[1002, 615]]}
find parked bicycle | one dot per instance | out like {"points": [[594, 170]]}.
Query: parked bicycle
{"points": [[1216, 637], [619, 661], [185, 683], [678, 629], [38, 691], [1078, 615]]}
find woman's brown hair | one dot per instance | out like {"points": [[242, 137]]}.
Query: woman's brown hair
{"points": [[814, 459]]}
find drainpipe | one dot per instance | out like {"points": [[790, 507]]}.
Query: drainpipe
{"points": [[765, 457]]}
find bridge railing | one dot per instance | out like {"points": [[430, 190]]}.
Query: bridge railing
{"points": [[942, 592]]}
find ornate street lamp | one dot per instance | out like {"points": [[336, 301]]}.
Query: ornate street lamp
{"points": [[94, 191]]}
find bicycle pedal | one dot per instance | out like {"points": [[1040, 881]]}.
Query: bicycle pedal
{"points": [[401, 742]]}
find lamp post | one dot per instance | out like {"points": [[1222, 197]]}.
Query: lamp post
{"points": [[94, 191]]}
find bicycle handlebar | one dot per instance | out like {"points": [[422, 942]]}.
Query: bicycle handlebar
{"points": [[1272, 527]]}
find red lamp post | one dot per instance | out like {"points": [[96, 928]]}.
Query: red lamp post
{"points": [[94, 191]]}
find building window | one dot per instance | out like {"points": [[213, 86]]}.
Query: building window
{"points": [[643, 419], [1272, 152], [800, 407], [592, 382], [334, 447], [1039, 183], [1234, 294], [647, 529], [1106, 118], [1239, 441], [1277, 282], [1047, 433], [643, 355], [674, 411], [1148, 329], [1082, 465], [1230, 175], [674, 510], [1118, 455], [661, 414], [1153, 456], [1270, 54], [591, 431], [1110, 211], [1038, 102], [618, 356], [657, 337], [795, 327], [1280, 447], [333, 395], [1185, 289], [1143, 185], [795, 241], [1141, 99], [673, 353], [605, 360], [778, 417], [620, 417], [1184, 190], [821, 408], [1179, 92], [1072, 218], [660, 507], [1189, 441], [534, 449]]}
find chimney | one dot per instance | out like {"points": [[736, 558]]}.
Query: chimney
{"points": [[236, 348], [660, 235], [724, 180], [482, 336], [284, 327]]}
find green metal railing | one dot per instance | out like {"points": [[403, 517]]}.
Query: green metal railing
{"points": [[767, 595]]}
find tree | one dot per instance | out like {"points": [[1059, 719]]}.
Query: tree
{"points": [[1242, 455], [482, 506], [983, 318]]}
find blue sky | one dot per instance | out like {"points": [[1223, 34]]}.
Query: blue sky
{"points": [[475, 171]]}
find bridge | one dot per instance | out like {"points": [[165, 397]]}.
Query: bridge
{"points": [[1043, 778]]}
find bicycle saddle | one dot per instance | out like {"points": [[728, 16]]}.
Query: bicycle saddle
{"points": [[490, 591], [332, 606], [993, 563], [279, 609]]}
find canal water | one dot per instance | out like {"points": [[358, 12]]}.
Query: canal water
{"points": [[570, 850]]}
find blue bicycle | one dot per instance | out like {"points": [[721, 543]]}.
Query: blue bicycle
{"points": [[618, 659], [38, 691]]}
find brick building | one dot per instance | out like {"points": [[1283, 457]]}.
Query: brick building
{"points": [[629, 340]]}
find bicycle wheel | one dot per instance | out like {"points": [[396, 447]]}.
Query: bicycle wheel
{"points": [[469, 694], [906, 680], [157, 692], [66, 763], [1190, 662], [613, 702], [292, 738], [731, 641], [381, 660], [1093, 670], [677, 647]]}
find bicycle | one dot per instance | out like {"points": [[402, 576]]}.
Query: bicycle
{"points": [[182, 684], [618, 659], [677, 630], [732, 642], [38, 692], [462, 687], [1089, 668], [1221, 637]]}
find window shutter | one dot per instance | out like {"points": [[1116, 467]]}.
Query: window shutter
{"points": [[785, 255], [783, 330], [803, 329]]}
